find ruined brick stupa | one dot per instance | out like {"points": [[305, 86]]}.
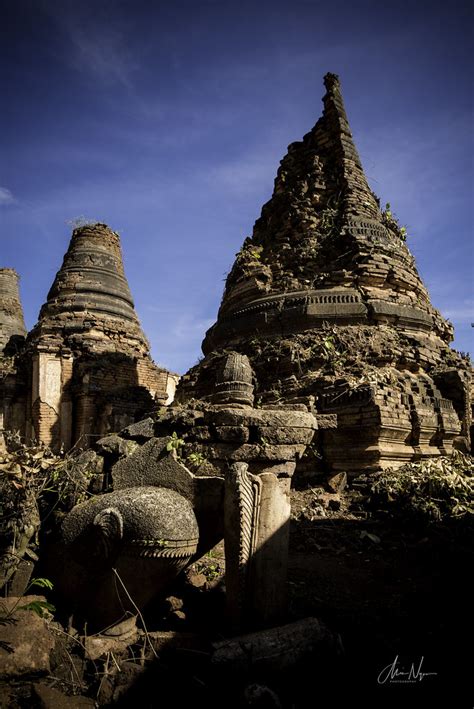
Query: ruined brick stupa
{"points": [[326, 301], [12, 338], [12, 324], [89, 361]]}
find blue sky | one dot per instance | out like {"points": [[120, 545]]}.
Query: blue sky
{"points": [[167, 120]]}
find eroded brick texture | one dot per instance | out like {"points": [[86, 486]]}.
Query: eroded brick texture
{"points": [[12, 324], [326, 301]]}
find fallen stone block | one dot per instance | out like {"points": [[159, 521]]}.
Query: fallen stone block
{"points": [[141, 431], [114, 445], [26, 639], [274, 650], [337, 483], [52, 698]]}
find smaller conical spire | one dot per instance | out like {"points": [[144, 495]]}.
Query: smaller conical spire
{"points": [[90, 290], [12, 324]]}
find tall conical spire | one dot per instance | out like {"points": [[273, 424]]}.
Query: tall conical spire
{"points": [[90, 292], [326, 302], [323, 230], [12, 324]]}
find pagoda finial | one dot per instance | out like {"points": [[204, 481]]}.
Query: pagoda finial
{"points": [[331, 81]]}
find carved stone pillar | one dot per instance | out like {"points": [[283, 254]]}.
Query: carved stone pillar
{"points": [[257, 513], [46, 397], [51, 403]]}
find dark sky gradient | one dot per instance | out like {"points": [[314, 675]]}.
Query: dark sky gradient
{"points": [[167, 120]]}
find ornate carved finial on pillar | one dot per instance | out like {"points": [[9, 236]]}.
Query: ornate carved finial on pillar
{"points": [[234, 381]]}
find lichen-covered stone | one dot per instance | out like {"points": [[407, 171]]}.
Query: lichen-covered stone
{"points": [[232, 433], [120, 549], [140, 431], [150, 464], [261, 417], [148, 513], [153, 464], [116, 446]]}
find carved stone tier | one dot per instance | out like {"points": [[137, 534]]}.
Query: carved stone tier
{"points": [[233, 382], [388, 424], [305, 310], [269, 440]]}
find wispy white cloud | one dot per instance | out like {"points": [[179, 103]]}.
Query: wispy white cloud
{"points": [[412, 171], [104, 54], [6, 197], [181, 347], [463, 313], [187, 327], [240, 177], [99, 43]]}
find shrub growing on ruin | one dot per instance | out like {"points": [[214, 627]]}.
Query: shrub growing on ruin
{"points": [[437, 490]]}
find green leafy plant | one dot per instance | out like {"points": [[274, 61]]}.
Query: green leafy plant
{"points": [[249, 252], [161, 543], [196, 459], [312, 452], [328, 343], [41, 582], [175, 443], [255, 253], [210, 571], [330, 353], [329, 218], [41, 608], [391, 222], [437, 490]]}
